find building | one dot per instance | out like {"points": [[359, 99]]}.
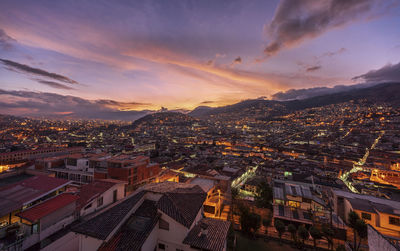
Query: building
{"points": [[26, 155], [99, 194], [382, 214], [159, 216], [302, 203], [23, 195]]}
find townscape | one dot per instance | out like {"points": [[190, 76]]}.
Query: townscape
{"points": [[191, 181]]}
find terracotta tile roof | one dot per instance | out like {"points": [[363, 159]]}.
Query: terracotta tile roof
{"points": [[214, 238], [47, 207], [93, 190], [136, 230], [103, 224], [183, 204]]}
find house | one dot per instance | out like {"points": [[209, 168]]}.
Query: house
{"points": [[99, 194], [24, 194], [159, 216], [382, 214]]}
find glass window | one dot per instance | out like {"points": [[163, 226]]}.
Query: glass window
{"points": [[161, 246], [366, 216], [100, 201], [394, 221]]}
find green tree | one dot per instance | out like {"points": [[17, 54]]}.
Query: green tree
{"points": [[280, 227], [303, 233], [315, 234], [293, 232], [328, 234], [264, 195]]}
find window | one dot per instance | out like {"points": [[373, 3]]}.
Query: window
{"points": [[366, 216], [162, 224], [88, 206], [209, 209], [394, 221], [100, 201], [114, 196], [161, 246]]}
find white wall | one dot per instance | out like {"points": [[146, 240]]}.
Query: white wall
{"points": [[151, 241], [69, 242], [107, 199], [173, 237], [87, 243]]}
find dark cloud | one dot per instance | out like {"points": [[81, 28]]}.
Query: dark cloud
{"points": [[296, 21], [54, 84], [14, 66], [237, 60], [293, 94], [333, 53], [6, 42], [313, 68], [207, 102], [52, 105], [388, 73]]}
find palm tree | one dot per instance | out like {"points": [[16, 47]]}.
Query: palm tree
{"points": [[280, 227], [293, 232]]}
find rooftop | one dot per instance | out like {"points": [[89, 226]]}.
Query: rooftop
{"points": [[47, 207], [213, 239], [14, 196]]}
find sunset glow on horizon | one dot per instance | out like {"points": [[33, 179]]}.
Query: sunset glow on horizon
{"points": [[144, 55]]}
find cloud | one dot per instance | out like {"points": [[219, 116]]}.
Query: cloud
{"points": [[6, 42], [11, 65], [207, 102], [52, 105], [333, 53], [388, 73], [293, 94], [237, 60], [54, 84], [297, 21], [313, 68]]}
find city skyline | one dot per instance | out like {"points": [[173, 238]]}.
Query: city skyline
{"points": [[116, 57]]}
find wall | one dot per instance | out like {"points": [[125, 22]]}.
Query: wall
{"points": [[173, 237], [69, 242], [151, 241], [57, 216], [107, 199], [87, 243], [376, 242]]}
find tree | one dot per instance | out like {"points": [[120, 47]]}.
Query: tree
{"points": [[266, 223], [280, 227], [293, 232], [249, 222], [328, 233], [264, 195], [352, 219], [341, 247], [315, 234], [303, 233], [362, 231]]}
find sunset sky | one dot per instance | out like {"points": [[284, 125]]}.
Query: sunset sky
{"points": [[135, 55]]}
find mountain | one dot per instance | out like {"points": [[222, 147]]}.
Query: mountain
{"points": [[165, 118], [262, 109]]}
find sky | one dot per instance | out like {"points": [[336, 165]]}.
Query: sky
{"points": [[86, 58]]}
